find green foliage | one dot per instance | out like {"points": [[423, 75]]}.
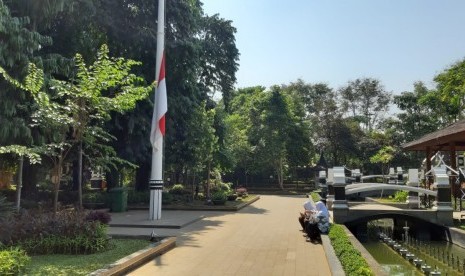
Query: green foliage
{"points": [[401, 196], [13, 261], [95, 197], [135, 197], [218, 186], [177, 189], [101, 216], [31, 153], [219, 196], [451, 91], [352, 261], [365, 99], [83, 264], [6, 209], [166, 198], [383, 156], [66, 232]]}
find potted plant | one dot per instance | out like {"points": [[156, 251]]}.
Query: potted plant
{"points": [[219, 198]]}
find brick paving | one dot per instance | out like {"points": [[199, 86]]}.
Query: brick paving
{"points": [[260, 239]]}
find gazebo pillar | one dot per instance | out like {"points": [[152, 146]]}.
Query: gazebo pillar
{"points": [[453, 165], [428, 166]]}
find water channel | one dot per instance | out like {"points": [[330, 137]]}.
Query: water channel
{"points": [[442, 256]]}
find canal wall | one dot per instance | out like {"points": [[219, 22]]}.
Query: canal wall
{"points": [[456, 236]]}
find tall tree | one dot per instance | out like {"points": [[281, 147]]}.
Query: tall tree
{"points": [[19, 46], [366, 100], [75, 112], [451, 91], [415, 118]]}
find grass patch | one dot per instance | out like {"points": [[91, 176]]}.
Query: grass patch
{"points": [[201, 203], [83, 264]]}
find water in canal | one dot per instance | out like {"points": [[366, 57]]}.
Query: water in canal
{"points": [[442, 256]]}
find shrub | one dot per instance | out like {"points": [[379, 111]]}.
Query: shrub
{"points": [[13, 261], [101, 216], [401, 196], [219, 196], [166, 198], [218, 186], [351, 259], [66, 232], [138, 196], [241, 191], [177, 189], [95, 197]]}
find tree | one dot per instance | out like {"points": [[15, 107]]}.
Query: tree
{"points": [[19, 46], [416, 117], [203, 142], [366, 100], [384, 156], [451, 91], [272, 136], [76, 110]]}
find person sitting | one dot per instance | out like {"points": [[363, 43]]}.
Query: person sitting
{"points": [[322, 216], [318, 223], [308, 209]]}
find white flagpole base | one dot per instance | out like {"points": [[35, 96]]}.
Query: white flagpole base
{"points": [[156, 189]]}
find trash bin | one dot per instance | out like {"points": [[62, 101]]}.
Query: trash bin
{"points": [[118, 199]]}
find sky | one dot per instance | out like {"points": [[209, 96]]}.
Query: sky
{"points": [[398, 42]]}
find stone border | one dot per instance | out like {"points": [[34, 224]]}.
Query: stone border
{"points": [[333, 261], [131, 262]]}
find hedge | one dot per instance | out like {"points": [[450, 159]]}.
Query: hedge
{"points": [[352, 261]]}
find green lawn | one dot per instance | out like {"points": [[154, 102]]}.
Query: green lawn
{"points": [[83, 264]]}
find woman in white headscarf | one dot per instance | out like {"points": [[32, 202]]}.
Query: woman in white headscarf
{"points": [[322, 215]]}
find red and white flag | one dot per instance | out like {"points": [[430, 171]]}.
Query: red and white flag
{"points": [[160, 108]]}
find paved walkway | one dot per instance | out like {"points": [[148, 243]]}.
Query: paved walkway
{"points": [[260, 239]]}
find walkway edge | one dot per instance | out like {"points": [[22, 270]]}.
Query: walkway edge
{"points": [[334, 263], [141, 257]]}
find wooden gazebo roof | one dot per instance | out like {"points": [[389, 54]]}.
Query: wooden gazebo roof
{"points": [[450, 138]]}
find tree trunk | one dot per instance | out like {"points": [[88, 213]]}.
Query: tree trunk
{"points": [[57, 180], [20, 183], [280, 174], [80, 175], [208, 180], [193, 187]]}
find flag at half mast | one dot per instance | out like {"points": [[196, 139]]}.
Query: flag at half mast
{"points": [[160, 108]]}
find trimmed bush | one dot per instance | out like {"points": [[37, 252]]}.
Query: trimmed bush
{"points": [[66, 232], [12, 261], [351, 259], [218, 186], [177, 189], [166, 198], [135, 197]]}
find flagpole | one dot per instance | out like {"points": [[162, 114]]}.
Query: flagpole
{"points": [[156, 175]]}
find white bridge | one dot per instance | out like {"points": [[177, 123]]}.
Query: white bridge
{"points": [[366, 187]]}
